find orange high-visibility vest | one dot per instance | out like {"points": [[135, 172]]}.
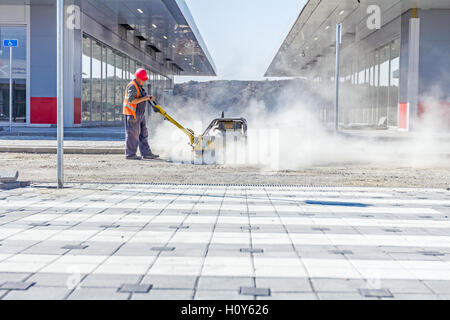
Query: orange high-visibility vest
{"points": [[128, 108]]}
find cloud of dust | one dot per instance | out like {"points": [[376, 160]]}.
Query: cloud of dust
{"points": [[290, 135]]}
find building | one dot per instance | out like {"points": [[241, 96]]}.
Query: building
{"points": [[395, 61], [105, 42]]}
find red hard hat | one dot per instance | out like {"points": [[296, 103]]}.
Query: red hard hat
{"points": [[141, 74]]}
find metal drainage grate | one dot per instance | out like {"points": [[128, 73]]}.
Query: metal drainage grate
{"points": [[135, 288], [75, 247], [251, 250], [17, 285], [163, 248], [376, 293], [426, 217], [251, 291], [366, 216]]}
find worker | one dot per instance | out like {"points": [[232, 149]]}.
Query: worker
{"points": [[134, 111]]}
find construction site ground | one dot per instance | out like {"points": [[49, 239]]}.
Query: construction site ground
{"points": [[114, 168]]}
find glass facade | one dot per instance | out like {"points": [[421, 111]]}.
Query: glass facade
{"points": [[19, 75], [106, 73], [370, 87]]}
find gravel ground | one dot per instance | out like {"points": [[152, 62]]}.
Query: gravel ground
{"points": [[113, 168]]}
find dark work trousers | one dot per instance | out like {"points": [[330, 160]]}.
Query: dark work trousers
{"points": [[136, 135]]}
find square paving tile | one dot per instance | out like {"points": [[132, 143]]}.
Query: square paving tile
{"points": [[135, 288], [163, 248], [251, 291], [74, 247], [251, 250], [378, 293], [17, 285]]}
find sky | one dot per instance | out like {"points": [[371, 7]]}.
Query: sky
{"points": [[242, 36]]}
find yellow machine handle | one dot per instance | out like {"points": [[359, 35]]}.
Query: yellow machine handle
{"points": [[188, 132]]}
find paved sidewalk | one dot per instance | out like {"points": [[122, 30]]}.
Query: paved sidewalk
{"points": [[130, 241]]}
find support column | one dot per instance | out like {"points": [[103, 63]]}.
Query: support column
{"points": [[413, 71]]}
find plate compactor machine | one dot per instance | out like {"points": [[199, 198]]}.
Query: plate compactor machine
{"points": [[211, 146]]}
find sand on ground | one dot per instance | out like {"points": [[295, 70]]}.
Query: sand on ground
{"points": [[113, 168]]}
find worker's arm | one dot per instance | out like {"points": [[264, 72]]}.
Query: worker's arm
{"points": [[133, 99], [147, 98]]}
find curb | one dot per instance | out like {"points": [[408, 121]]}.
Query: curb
{"points": [[67, 150], [14, 185], [98, 135]]}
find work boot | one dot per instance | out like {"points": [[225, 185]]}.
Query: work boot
{"points": [[134, 158], [151, 157]]}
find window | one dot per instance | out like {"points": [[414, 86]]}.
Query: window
{"points": [[96, 103], [106, 73], [110, 87], [86, 76]]}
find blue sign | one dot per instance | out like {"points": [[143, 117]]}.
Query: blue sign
{"points": [[7, 43]]}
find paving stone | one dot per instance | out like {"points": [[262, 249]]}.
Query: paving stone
{"points": [[13, 276], [179, 227], [397, 286], [380, 293], [135, 288], [284, 284], [341, 252], [251, 250], [251, 291], [432, 253], [16, 285], [289, 296], [392, 230], [163, 248], [341, 296], [74, 247], [171, 281], [39, 224], [53, 279], [40, 293], [97, 294], [337, 285], [164, 294], [112, 226], [109, 280], [438, 286], [413, 296], [219, 295], [223, 283], [321, 229], [249, 228]]}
